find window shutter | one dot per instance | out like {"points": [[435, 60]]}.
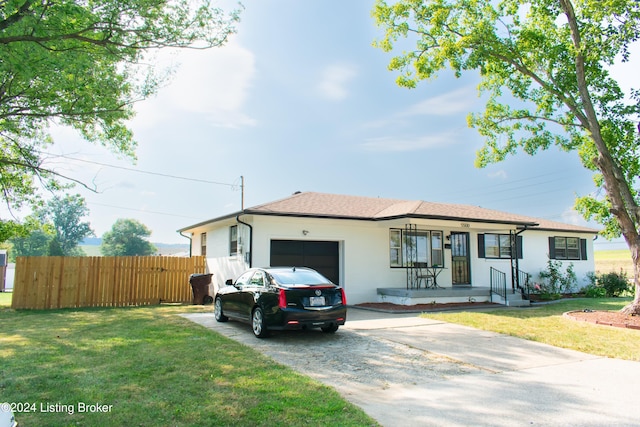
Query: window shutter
{"points": [[481, 246], [552, 247], [519, 247], [583, 249]]}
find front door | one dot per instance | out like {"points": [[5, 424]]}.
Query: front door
{"points": [[460, 259]]}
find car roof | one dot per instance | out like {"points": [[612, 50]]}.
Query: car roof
{"points": [[291, 268]]}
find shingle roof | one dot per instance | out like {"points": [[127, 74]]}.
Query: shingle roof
{"points": [[322, 205], [313, 204]]}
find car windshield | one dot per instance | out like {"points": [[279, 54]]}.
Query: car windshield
{"points": [[299, 277]]}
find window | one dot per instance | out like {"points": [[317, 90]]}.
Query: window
{"points": [[203, 244], [395, 247], [233, 240], [572, 248], [498, 246], [257, 279], [409, 247], [244, 278]]}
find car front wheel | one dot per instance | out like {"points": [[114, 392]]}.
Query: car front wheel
{"points": [[258, 323], [217, 311]]}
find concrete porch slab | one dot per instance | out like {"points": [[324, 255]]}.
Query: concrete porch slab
{"points": [[403, 296]]}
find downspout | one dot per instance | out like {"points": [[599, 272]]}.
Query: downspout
{"points": [[250, 239], [190, 241], [515, 265]]}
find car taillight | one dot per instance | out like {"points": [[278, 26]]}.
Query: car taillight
{"points": [[344, 297], [282, 299]]}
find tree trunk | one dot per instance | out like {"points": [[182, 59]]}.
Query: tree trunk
{"points": [[634, 307]]}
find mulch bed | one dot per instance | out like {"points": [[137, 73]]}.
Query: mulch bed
{"points": [[608, 318]]}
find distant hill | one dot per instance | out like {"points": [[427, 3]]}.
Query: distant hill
{"points": [[91, 247]]}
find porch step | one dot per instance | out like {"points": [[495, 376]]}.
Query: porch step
{"points": [[516, 300]]}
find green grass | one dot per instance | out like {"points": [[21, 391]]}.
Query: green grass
{"points": [[618, 254], [545, 324], [155, 369], [5, 299]]}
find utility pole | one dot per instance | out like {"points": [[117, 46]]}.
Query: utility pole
{"points": [[242, 192]]}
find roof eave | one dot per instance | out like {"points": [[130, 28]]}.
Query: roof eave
{"points": [[210, 221], [526, 224]]}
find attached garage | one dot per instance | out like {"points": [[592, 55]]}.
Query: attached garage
{"points": [[319, 255]]}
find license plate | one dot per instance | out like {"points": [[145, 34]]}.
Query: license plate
{"points": [[316, 301]]}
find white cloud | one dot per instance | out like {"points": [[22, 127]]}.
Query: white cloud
{"points": [[501, 174], [334, 81], [570, 216], [448, 104], [214, 83], [403, 144]]}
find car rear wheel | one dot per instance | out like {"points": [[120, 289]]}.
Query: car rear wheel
{"points": [[330, 329], [258, 323], [217, 311]]}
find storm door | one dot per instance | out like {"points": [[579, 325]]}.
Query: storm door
{"points": [[460, 259]]}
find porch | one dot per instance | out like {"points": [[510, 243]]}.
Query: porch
{"points": [[458, 294]]}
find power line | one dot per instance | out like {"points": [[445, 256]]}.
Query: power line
{"points": [[141, 210], [142, 171]]}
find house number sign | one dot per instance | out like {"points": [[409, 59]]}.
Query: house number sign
{"points": [[465, 225]]}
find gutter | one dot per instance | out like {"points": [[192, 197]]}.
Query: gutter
{"points": [[190, 241], [250, 238]]}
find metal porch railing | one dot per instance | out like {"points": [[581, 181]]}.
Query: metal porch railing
{"points": [[498, 283]]}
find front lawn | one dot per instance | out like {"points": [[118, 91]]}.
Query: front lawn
{"points": [[5, 299], [149, 367], [544, 323]]}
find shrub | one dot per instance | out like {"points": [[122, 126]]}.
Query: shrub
{"points": [[607, 285], [593, 291], [615, 284], [556, 282]]}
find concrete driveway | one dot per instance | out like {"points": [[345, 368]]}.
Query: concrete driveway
{"points": [[407, 371]]}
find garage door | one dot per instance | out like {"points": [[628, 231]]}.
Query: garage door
{"points": [[321, 256]]}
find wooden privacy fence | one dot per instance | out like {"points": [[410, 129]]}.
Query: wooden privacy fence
{"points": [[60, 282]]}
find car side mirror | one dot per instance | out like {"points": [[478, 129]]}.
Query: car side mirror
{"points": [[229, 282]]}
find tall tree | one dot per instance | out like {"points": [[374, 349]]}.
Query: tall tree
{"points": [[36, 242], [553, 58], [79, 64], [66, 214], [127, 237]]}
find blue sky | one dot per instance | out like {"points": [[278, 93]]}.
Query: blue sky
{"points": [[299, 100]]}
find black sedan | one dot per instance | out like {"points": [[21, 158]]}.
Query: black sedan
{"points": [[282, 298]]}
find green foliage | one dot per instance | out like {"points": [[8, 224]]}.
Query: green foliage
{"points": [[55, 229], [81, 64], [127, 237], [65, 214], [555, 282], [608, 285], [593, 291], [35, 244], [9, 229]]}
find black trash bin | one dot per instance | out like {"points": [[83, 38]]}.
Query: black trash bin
{"points": [[200, 285]]}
